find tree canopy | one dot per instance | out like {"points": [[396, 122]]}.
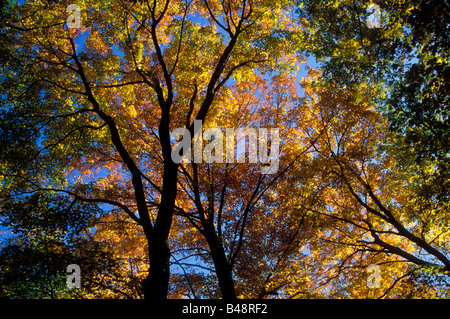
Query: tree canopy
{"points": [[190, 149]]}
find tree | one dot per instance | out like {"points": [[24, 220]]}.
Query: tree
{"points": [[232, 205], [420, 98], [405, 68], [369, 195], [96, 124], [406, 57], [45, 240], [109, 94]]}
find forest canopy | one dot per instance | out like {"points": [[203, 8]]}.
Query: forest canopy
{"points": [[225, 149]]}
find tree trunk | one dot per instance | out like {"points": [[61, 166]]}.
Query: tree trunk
{"points": [[156, 286], [223, 268]]}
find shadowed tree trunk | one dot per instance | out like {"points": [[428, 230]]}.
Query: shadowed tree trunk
{"points": [[222, 266]]}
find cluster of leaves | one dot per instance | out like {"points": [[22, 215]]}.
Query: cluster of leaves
{"points": [[48, 233], [418, 107], [406, 58]]}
